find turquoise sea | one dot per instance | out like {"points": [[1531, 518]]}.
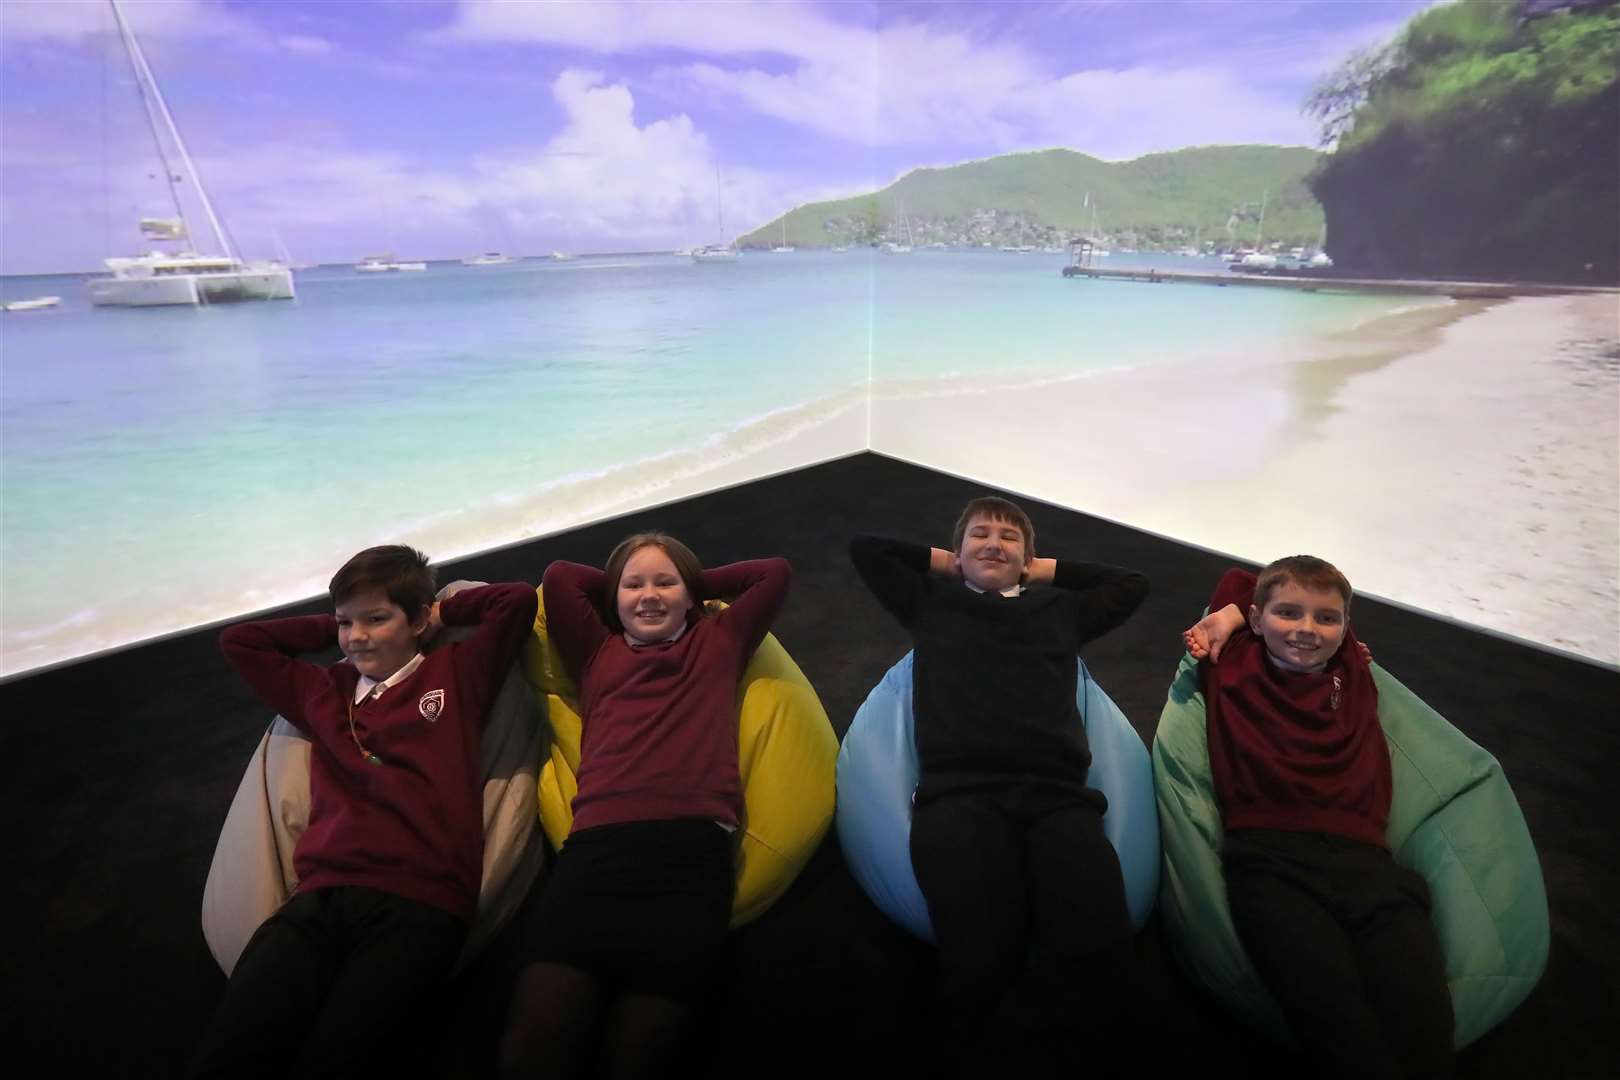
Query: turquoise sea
{"points": [[167, 467]]}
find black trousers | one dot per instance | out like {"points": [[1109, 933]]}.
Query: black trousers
{"points": [[1028, 906], [1341, 936], [328, 985]]}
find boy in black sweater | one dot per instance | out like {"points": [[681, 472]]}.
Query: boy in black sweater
{"points": [[1023, 889]]}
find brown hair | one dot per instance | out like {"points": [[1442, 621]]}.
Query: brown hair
{"points": [[1304, 570], [399, 571], [996, 509], [686, 565]]}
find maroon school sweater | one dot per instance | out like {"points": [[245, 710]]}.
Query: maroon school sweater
{"points": [[412, 826], [660, 721], [1294, 750]]}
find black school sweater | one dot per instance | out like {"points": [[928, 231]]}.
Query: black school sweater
{"points": [[994, 677]]}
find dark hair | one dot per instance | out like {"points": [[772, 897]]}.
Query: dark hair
{"points": [[996, 509], [686, 565], [399, 571], [1304, 570]]}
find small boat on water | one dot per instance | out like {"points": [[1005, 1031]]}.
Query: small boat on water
{"points": [[488, 258], [39, 303], [383, 264], [715, 253]]}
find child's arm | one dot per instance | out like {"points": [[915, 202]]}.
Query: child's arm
{"points": [[1105, 596], [573, 622], [504, 616], [266, 655], [757, 589], [1228, 614], [896, 572]]}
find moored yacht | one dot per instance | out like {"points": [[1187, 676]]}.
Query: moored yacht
{"points": [[183, 277], [158, 278]]}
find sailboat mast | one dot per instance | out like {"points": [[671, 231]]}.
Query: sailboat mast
{"points": [[719, 210], [147, 82], [1261, 227]]}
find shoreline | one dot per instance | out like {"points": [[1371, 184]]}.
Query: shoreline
{"points": [[1192, 450], [1460, 459], [774, 442]]}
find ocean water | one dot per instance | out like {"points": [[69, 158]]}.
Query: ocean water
{"points": [[166, 467]]}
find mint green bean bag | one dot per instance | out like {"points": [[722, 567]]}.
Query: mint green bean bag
{"points": [[1453, 819]]}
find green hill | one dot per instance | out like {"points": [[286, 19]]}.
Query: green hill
{"points": [[1483, 142], [1160, 200]]}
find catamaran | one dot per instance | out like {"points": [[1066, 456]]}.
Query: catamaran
{"points": [[183, 276]]}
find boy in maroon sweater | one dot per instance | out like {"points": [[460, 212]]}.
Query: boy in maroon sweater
{"points": [[1339, 933], [390, 863]]}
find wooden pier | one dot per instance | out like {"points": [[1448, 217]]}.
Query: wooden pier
{"points": [[1305, 282]]}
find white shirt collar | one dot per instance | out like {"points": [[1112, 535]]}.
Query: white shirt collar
{"points": [[369, 687], [676, 636], [1011, 590]]}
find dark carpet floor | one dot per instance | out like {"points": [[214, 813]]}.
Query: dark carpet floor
{"points": [[119, 770]]}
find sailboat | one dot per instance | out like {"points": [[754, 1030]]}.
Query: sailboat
{"points": [[1257, 259], [716, 253], [183, 276], [784, 248], [1097, 249], [894, 248]]}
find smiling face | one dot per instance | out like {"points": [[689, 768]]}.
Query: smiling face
{"points": [[992, 555], [1302, 627], [376, 634], [652, 601]]}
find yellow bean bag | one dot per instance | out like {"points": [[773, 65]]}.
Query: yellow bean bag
{"points": [[786, 751]]}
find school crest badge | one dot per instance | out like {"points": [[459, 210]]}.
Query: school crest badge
{"points": [[432, 704]]}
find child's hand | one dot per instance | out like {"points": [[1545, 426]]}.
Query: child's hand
{"points": [[1366, 653], [1209, 635], [433, 627]]}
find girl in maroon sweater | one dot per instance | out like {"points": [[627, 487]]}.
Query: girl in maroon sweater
{"points": [[1337, 931], [630, 926]]}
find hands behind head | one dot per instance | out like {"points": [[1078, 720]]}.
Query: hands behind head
{"points": [[1209, 635]]}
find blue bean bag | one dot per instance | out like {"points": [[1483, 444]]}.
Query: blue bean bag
{"points": [[1452, 819], [877, 773]]}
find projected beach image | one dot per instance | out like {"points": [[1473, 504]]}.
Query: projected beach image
{"points": [[283, 281]]}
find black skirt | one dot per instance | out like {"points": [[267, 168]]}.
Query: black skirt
{"points": [[644, 905]]}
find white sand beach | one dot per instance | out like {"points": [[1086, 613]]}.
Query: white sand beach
{"points": [[1459, 458]]}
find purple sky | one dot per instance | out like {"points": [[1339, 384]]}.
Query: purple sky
{"points": [[439, 129]]}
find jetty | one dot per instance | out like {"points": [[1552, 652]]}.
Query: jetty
{"points": [[1308, 282]]}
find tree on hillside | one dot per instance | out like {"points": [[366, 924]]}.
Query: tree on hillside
{"points": [[1479, 143]]}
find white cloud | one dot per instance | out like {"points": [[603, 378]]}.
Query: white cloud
{"points": [[911, 83], [303, 43], [707, 27], [1124, 114]]}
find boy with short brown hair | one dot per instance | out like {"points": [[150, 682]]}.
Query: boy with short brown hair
{"points": [[1023, 888], [390, 863], [1338, 932]]}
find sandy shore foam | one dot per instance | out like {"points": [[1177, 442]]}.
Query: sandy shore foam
{"points": [[1460, 458], [760, 446]]}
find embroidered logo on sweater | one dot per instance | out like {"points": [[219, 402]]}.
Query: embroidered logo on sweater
{"points": [[432, 704], [1333, 702]]}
